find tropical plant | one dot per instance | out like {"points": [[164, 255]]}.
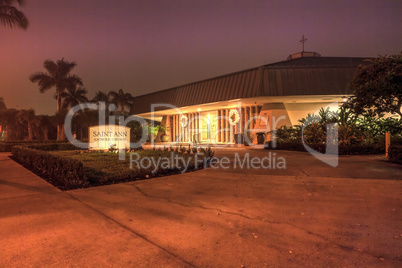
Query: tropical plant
{"points": [[311, 118], [2, 104], [286, 134], [349, 134], [9, 117], [326, 116], [72, 97], [10, 16], [85, 118], [57, 76], [26, 117], [314, 133], [58, 120], [43, 123], [100, 97], [122, 100], [344, 116]]}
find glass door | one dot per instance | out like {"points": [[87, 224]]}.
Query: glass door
{"points": [[208, 126]]}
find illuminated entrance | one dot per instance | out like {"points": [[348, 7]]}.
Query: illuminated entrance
{"points": [[208, 126]]}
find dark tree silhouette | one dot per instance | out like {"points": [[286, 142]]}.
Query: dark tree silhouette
{"points": [[57, 76], [10, 16], [377, 87], [27, 117], [72, 97], [121, 99], [2, 104]]}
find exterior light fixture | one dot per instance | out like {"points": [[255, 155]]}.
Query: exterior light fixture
{"points": [[199, 109]]}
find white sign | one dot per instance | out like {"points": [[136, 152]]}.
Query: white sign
{"points": [[109, 136]]}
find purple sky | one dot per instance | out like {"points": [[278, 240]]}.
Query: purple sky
{"points": [[143, 46]]}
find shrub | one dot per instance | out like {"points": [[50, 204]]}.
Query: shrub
{"points": [[395, 154], [70, 169], [53, 147], [355, 134], [349, 134], [44, 146], [63, 172], [7, 146], [355, 149]]}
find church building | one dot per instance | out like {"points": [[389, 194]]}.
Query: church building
{"points": [[216, 109]]}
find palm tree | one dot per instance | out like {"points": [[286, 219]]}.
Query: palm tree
{"points": [[27, 117], [2, 109], [43, 123], [58, 120], [72, 97], [100, 97], [2, 104], [58, 76], [9, 117], [121, 99], [88, 118], [10, 16]]}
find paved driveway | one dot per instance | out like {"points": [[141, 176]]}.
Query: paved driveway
{"points": [[306, 215]]}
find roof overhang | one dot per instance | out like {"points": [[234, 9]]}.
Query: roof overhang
{"points": [[256, 101]]}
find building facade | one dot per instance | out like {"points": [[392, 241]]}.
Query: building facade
{"points": [[254, 100]]}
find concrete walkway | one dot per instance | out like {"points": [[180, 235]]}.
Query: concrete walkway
{"points": [[308, 215], [41, 226]]}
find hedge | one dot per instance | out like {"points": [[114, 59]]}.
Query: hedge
{"points": [[63, 172], [53, 147], [342, 149], [7, 146], [395, 154], [74, 168]]}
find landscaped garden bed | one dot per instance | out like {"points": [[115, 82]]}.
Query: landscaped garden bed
{"points": [[349, 134], [68, 169]]}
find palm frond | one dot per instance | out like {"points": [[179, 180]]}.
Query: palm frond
{"points": [[65, 67], [100, 96], [113, 97], [74, 80], [51, 67], [45, 81], [12, 17], [10, 2]]}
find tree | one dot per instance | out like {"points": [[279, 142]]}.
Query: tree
{"points": [[377, 87], [57, 76], [43, 123], [3, 108], [10, 16], [87, 118], [2, 104], [9, 117], [100, 97], [121, 99], [27, 117], [72, 97]]}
